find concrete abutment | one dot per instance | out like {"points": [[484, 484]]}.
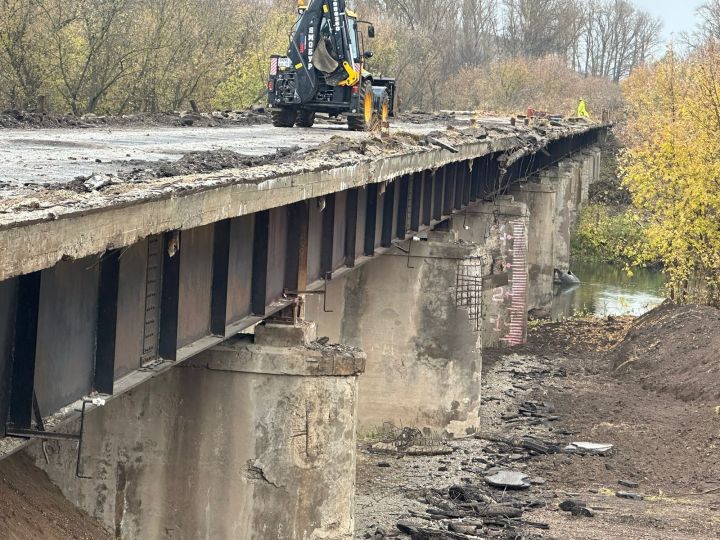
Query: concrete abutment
{"points": [[247, 440]]}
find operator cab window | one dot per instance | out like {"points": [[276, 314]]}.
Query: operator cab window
{"points": [[352, 31]]}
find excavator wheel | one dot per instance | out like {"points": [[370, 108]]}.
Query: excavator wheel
{"points": [[305, 119], [365, 120], [284, 117]]}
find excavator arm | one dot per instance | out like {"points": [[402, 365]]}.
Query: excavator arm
{"points": [[320, 44]]}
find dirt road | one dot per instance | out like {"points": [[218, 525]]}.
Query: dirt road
{"points": [[665, 449]]}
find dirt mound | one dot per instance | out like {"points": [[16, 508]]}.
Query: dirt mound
{"points": [[31, 507], [674, 349]]}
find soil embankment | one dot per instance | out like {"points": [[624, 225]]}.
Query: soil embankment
{"points": [[562, 388], [674, 350], [32, 508]]}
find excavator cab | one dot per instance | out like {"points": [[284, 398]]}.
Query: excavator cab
{"points": [[323, 71]]}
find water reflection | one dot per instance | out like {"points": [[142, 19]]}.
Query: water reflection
{"points": [[608, 290]]}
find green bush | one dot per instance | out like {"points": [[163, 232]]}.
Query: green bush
{"points": [[606, 234]]}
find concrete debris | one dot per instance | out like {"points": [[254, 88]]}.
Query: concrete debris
{"points": [[582, 511], [588, 448], [36, 120], [567, 506], [627, 484], [98, 181], [629, 495], [577, 508], [508, 480], [204, 171]]}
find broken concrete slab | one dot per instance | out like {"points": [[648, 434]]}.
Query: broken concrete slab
{"points": [[629, 495], [588, 448], [509, 480]]}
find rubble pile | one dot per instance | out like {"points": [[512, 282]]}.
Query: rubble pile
{"points": [[34, 119], [203, 171]]}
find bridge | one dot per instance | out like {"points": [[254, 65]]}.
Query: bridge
{"points": [[194, 355]]}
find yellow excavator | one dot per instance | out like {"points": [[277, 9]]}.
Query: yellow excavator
{"points": [[324, 71]]}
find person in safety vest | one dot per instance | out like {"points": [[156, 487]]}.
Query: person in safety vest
{"points": [[582, 109]]}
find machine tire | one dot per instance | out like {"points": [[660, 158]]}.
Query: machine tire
{"points": [[305, 119], [366, 119], [384, 112], [284, 117]]}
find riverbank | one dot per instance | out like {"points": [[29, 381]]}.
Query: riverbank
{"points": [[664, 448]]}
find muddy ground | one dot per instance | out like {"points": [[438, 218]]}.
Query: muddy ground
{"points": [[665, 444]]}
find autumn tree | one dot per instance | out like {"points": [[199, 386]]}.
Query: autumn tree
{"points": [[672, 167]]}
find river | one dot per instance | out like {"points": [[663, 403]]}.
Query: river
{"points": [[608, 290]]}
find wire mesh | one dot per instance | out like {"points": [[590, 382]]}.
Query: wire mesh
{"points": [[468, 289]]}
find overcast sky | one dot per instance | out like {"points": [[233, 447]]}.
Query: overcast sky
{"points": [[677, 16]]}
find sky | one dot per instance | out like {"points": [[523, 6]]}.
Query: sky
{"points": [[677, 15]]}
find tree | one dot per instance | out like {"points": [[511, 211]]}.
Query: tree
{"points": [[672, 167]]}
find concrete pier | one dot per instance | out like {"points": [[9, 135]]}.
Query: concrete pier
{"points": [[417, 315], [539, 197], [247, 440], [502, 227]]}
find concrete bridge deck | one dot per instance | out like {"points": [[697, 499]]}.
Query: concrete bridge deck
{"points": [[426, 245]]}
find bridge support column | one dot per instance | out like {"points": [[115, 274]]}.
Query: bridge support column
{"points": [[502, 227], [247, 440], [539, 196], [590, 166], [415, 311], [565, 178]]}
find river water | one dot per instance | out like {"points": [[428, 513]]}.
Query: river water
{"points": [[608, 290]]}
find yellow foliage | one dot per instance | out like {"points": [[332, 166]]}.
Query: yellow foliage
{"points": [[672, 166]]}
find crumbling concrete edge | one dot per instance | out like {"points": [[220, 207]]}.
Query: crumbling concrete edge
{"points": [[39, 242]]}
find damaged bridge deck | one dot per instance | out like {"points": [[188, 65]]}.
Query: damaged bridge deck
{"points": [[108, 279]]}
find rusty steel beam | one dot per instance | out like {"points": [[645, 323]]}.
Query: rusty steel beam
{"points": [[438, 189], [402, 219], [22, 374], [108, 288], [417, 201], [260, 263], [371, 219], [387, 216], [351, 219], [296, 269], [327, 236], [427, 198], [459, 184], [467, 175], [220, 277], [449, 189], [170, 299]]}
